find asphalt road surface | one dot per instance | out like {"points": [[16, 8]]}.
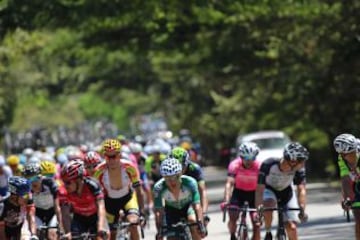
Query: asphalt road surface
{"points": [[326, 219]]}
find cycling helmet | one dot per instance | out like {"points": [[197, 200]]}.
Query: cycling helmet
{"points": [[74, 153], [31, 169], [13, 160], [136, 147], [34, 159], [19, 186], [294, 151], [345, 143], [48, 168], [92, 158], [2, 161], [28, 151], [111, 145], [125, 149], [170, 166], [72, 170], [181, 155], [248, 151]]}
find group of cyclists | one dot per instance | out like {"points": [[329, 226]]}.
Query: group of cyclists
{"points": [[75, 190], [282, 182]]}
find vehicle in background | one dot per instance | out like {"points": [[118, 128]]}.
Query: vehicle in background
{"points": [[270, 142]]}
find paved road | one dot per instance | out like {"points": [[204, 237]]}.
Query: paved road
{"points": [[326, 220]]}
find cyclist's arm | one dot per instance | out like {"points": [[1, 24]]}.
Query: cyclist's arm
{"points": [[203, 195], [198, 212], [31, 217], [134, 175], [101, 214], [346, 182], [301, 194], [66, 216], [2, 229], [159, 216], [229, 185], [58, 214]]}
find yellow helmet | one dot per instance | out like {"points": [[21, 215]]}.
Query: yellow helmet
{"points": [[47, 168], [111, 145], [13, 160], [186, 145]]}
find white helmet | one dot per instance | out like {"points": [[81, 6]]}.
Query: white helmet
{"points": [[345, 143], [135, 147], [248, 150], [170, 166]]}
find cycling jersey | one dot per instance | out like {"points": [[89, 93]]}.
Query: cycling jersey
{"points": [[14, 215], [45, 198], [345, 169], [85, 203], [189, 194], [195, 171], [129, 174], [6, 173], [245, 178], [271, 175]]}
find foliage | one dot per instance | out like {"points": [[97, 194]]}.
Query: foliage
{"points": [[216, 67]]}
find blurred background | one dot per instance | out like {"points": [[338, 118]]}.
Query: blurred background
{"points": [[81, 70]]}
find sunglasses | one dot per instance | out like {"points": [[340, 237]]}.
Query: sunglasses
{"points": [[67, 183], [111, 156], [172, 178], [34, 179]]}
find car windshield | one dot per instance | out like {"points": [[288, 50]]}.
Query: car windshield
{"points": [[271, 143]]}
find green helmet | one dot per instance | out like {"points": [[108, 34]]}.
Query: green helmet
{"points": [[181, 155]]}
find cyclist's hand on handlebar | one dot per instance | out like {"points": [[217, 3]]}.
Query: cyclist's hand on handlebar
{"points": [[66, 236], [102, 235], [206, 219], [202, 230], [158, 236], [346, 204], [223, 205], [303, 216], [34, 237]]}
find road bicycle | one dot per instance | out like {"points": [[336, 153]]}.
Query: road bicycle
{"points": [[43, 231], [179, 231], [242, 232], [280, 233], [122, 228], [84, 236]]}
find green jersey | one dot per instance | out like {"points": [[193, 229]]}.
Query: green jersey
{"points": [[189, 194], [345, 170]]}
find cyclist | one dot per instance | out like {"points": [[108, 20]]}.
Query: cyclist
{"points": [[5, 173], [86, 198], [13, 162], [152, 164], [346, 146], [275, 187], [44, 192], [91, 160], [241, 185], [15, 208], [119, 178], [193, 170], [137, 151], [177, 197]]}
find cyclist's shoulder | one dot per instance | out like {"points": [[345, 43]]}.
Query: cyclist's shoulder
{"points": [[188, 181]]}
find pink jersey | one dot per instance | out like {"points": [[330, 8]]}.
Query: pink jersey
{"points": [[245, 179]]}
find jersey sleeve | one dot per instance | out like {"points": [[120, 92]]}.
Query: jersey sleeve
{"points": [[196, 172], [300, 177], [52, 186], [94, 187], [232, 168], [132, 172], [343, 169], [264, 170], [158, 192], [192, 184]]}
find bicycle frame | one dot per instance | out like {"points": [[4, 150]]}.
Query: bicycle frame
{"points": [[180, 230], [242, 227], [281, 233], [123, 229]]}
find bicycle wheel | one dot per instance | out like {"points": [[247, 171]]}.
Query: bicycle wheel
{"points": [[281, 236], [242, 233]]}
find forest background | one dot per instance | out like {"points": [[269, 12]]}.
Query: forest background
{"points": [[218, 68]]}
